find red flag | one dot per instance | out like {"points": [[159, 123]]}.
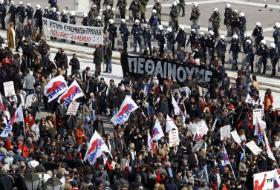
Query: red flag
{"points": [[25, 151]]}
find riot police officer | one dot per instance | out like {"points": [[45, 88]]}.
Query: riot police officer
{"points": [[97, 4], [174, 17], [161, 39], [202, 46], [53, 14], [112, 30], [262, 51], [2, 13], [157, 7], [221, 48], [85, 20], [29, 11], [154, 21], [21, 12], [193, 39], [38, 16], [210, 43], [195, 14], [108, 2], [72, 18], [276, 36], [242, 25], [234, 22], [46, 13], [123, 29], [250, 56], [215, 19], [170, 39], [135, 7], [92, 15], [181, 6], [258, 33], [108, 14], [147, 38], [12, 11], [274, 57], [181, 38], [64, 16], [137, 32], [143, 4], [227, 19], [234, 49], [122, 8], [98, 22]]}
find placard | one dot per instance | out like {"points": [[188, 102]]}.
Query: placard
{"points": [[173, 138], [73, 108], [236, 137], [257, 115], [253, 147], [9, 88], [225, 132]]}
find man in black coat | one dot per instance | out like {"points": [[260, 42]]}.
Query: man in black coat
{"points": [[75, 63], [108, 57], [98, 58]]}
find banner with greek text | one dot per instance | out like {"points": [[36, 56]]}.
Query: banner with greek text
{"points": [[77, 33], [137, 66]]}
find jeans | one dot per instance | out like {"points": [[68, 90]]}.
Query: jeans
{"points": [[109, 66]]}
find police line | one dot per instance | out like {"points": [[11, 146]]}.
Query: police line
{"points": [[138, 66], [77, 33]]}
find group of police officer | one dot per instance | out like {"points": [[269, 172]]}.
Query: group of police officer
{"points": [[205, 47]]}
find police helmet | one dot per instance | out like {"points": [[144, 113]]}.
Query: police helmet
{"points": [[53, 9], [46, 8], [137, 21], [248, 41], [241, 14], [227, 5], [28, 5], [193, 30], [194, 4], [216, 10], [108, 7], [235, 36], [211, 32], [122, 20], [222, 37], [263, 42], [21, 3], [93, 6], [277, 25], [169, 29], [145, 25], [258, 24], [85, 14], [98, 18], [160, 27], [64, 11], [175, 3], [181, 27], [38, 6], [12, 2], [73, 13], [272, 45], [247, 34], [154, 11], [111, 21]]}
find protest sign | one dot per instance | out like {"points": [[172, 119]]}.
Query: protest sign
{"points": [[236, 137], [277, 144], [257, 115], [9, 88], [76, 33], [225, 132], [73, 108], [173, 138], [138, 66], [29, 100], [267, 180], [197, 146], [198, 130], [253, 147]]}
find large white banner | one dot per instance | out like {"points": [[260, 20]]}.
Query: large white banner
{"points": [[267, 180], [77, 33]]}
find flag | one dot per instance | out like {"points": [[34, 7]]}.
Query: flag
{"points": [[9, 126], [96, 148], [127, 107], [157, 132], [55, 87], [19, 114], [260, 126], [225, 157], [169, 124], [2, 105], [177, 110], [150, 142], [268, 149], [73, 92], [25, 151]]}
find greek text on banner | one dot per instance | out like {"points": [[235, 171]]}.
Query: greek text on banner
{"points": [[77, 33]]}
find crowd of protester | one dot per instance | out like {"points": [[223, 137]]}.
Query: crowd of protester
{"points": [[55, 145]]}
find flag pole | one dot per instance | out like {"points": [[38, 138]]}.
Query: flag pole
{"points": [[229, 163]]}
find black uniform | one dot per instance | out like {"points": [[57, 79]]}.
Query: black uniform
{"points": [[3, 15]]}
